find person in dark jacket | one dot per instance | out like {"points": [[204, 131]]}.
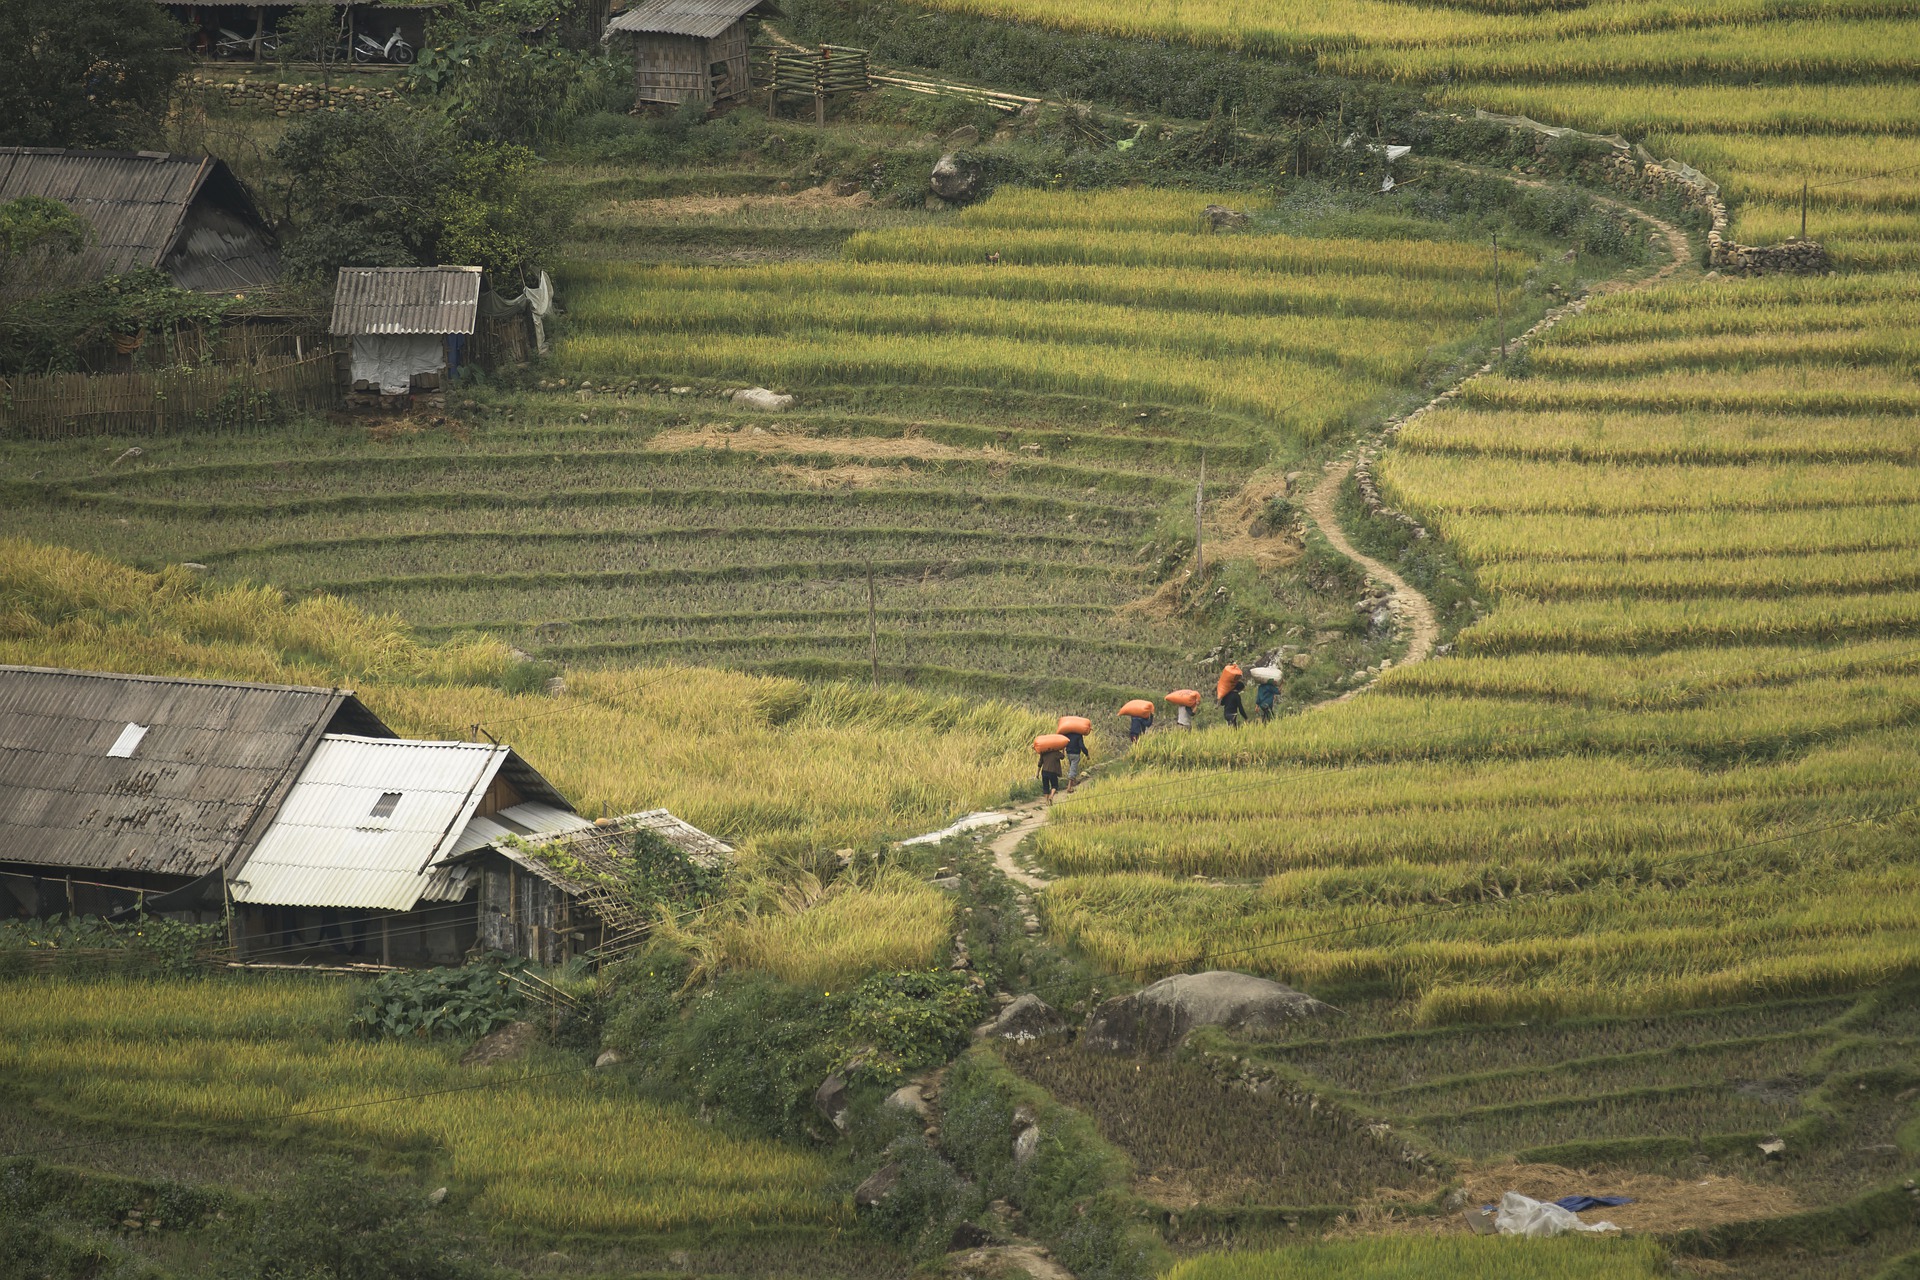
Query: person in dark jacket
{"points": [[1264, 696], [1050, 762], [1231, 706]]}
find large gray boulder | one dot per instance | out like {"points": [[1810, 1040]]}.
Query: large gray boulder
{"points": [[956, 178], [1155, 1019]]}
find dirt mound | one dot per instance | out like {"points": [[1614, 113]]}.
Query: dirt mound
{"points": [[515, 1040], [1156, 1018], [1660, 1204], [760, 439]]}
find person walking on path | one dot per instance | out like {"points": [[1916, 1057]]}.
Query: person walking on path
{"points": [[1185, 702], [1050, 762], [1139, 714], [1075, 729], [1264, 697], [1232, 680]]}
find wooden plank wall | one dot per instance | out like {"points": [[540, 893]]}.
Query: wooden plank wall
{"points": [[62, 405], [670, 69]]}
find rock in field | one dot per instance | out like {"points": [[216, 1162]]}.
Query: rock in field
{"points": [[761, 398], [830, 1099], [878, 1186], [955, 178], [1027, 1018], [1155, 1019]]}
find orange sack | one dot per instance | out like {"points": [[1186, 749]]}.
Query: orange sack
{"points": [[1227, 677], [1074, 724], [1138, 707], [1188, 698], [1050, 742]]}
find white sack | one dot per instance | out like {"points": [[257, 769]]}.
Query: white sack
{"points": [[1520, 1216]]}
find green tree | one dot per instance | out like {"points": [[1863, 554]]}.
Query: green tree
{"points": [[498, 71], [398, 187], [98, 74]]}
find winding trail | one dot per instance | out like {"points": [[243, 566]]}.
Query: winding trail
{"points": [[1414, 610], [1412, 607]]}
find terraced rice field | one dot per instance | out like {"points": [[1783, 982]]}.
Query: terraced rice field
{"points": [[1700, 676], [1006, 453], [271, 1060], [1674, 763]]}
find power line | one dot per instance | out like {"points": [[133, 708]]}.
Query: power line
{"points": [[1593, 718], [1207, 957]]}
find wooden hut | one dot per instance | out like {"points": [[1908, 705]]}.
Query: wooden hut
{"points": [[689, 50], [552, 895]]}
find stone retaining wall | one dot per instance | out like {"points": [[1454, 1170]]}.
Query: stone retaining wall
{"points": [[290, 99], [1655, 181]]}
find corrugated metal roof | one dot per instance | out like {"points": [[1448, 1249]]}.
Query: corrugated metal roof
{"points": [[528, 821], [185, 214], [212, 768], [703, 19], [399, 300], [331, 847]]}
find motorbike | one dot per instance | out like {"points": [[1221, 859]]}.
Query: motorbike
{"points": [[392, 49], [232, 44]]}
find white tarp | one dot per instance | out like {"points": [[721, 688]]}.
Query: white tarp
{"points": [[389, 361], [1521, 1216], [535, 300]]}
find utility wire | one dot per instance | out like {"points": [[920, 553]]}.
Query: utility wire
{"points": [[1593, 717], [1207, 957]]}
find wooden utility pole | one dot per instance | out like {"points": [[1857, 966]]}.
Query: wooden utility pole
{"points": [[873, 627], [1803, 208], [1498, 313], [1199, 505]]}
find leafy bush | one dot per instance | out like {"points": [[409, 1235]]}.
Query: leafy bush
{"points": [[912, 1020], [464, 1002], [340, 1224], [168, 945]]}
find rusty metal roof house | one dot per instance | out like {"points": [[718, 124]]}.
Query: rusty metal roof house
{"points": [[120, 788], [185, 215], [552, 896], [690, 50], [409, 325]]}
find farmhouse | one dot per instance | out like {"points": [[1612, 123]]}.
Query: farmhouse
{"points": [[690, 50], [302, 819], [410, 325], [122, 789], [185, 215]]}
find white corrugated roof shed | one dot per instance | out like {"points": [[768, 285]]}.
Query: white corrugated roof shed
{"points": [[528, 821], [405, 300], [367, 820]]}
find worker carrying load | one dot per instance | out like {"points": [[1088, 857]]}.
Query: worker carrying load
{"points": [[1268, 679], [1232, 680], [1184, 701], [1052, 749], [1075, 729], [1139, 714]]}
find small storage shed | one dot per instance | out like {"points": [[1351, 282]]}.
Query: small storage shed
{"points": [[551, 897], [409, 325], [690, 50]]}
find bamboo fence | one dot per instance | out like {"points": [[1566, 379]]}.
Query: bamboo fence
{"points": [[61, 405]]}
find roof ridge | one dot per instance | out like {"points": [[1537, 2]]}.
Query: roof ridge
{"points": [[199, 681]]}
